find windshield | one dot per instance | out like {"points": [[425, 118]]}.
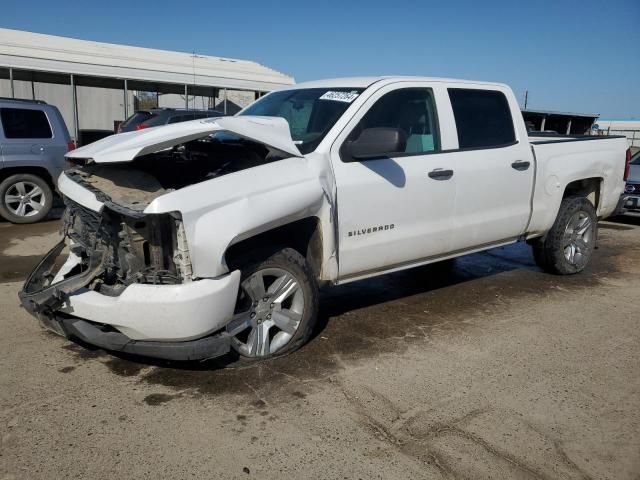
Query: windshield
{"points": [[635, 160], [311, 112]]}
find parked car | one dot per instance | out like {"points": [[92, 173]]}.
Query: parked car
{"points": [[33, 142], [163, 116], [205, 238], [632, 188]]}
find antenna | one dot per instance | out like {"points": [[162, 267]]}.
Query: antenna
{"points": [[526, 98]]}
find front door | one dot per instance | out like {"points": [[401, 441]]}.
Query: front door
{"points": [[398, 208]]}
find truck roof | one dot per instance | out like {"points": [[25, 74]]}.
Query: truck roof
{"points": [[364, 82]]}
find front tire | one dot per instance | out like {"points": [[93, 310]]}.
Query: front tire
{"points": [[25, 198], [567, 248], [277, 305]]}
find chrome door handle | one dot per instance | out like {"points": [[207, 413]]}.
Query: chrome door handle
{"points": [[520, 165], [440, 174]]}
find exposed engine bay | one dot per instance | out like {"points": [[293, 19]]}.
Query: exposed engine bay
{"points": [[136, 247], [133, 185]]}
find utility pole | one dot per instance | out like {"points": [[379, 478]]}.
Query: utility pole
{"points": [[526, 98]]}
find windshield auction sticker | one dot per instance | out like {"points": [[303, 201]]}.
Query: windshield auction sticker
{"points": [[347, 97]]}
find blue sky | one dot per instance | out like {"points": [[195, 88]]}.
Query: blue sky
{"points": [[578, 56]]}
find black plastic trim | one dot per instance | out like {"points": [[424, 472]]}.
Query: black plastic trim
{"points": [[439, 174], [104, 336], [43, 301], [472, 149], [421, 261], [204, 348], [521, 165]]}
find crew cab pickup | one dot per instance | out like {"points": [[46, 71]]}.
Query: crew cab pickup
{"points": [[211, 237]]}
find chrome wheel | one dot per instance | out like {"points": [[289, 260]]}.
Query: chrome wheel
{"points": [[24, 199], [268, 312], [578, 237]]}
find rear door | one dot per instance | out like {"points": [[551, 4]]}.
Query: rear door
{"points": [[494, 168], [28, 137], [397, 209]]}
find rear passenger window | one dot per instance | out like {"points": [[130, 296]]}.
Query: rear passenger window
{"points": [[24, 123], [409, 109], [483, 118]]}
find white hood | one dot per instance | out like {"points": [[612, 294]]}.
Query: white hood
{"points": [[123, 147]]}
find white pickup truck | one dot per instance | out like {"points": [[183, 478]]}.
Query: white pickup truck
{"points": [[209, 237]]}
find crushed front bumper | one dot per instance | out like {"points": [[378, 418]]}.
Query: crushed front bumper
{"points": [[211, 346], [172, 322]]}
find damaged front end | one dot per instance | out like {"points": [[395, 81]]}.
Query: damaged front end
{"points": [[106, 254], [126, 283], [131, 247], [109, 251]]}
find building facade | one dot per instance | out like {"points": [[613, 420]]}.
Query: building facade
{"points": [[97, 85]]}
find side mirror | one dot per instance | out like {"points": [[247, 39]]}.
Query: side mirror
{"points": [[377, 142]]}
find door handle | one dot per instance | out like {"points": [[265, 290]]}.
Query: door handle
{"points": [[440, 174], [520, 165]]}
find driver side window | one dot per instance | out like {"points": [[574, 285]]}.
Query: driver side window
{"points": [[411, 110]]}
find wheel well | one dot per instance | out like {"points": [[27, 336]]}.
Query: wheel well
{"points": [[304, 236], [38, 171], [587, 187]]}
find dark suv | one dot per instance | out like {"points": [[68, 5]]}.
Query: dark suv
{"points": [[163, 116], [33, 142]]}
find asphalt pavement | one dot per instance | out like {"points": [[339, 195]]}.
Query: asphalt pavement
{"points": [[487, 368]]}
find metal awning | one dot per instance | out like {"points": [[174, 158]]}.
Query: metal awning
{"points": [[53, 54], [560, 122], [564, 114]]}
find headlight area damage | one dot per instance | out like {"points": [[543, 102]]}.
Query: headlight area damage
{"points": [[105, 254], [111, 250]]}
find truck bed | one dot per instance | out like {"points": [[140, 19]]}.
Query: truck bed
{"points": [[564, 159]]}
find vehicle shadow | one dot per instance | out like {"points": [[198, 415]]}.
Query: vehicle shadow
{"points": [[628, 219], [339, 300]]}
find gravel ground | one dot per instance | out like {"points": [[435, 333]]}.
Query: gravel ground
{"points": [[491, 369]]}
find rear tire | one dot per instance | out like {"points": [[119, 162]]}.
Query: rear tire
{"points": [[25, 198], [567, 248], [277, 305]]}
